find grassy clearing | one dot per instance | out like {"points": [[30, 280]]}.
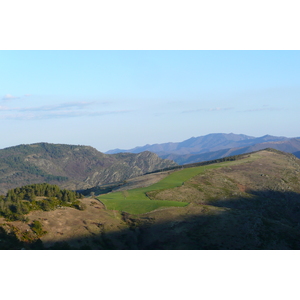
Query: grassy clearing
{"points": [[140, 206], [136, 202]]}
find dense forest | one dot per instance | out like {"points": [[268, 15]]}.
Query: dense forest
{"points": [[20, 201]]}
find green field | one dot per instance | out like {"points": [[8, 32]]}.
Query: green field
{"points": [[139, 206], [135, 201]]}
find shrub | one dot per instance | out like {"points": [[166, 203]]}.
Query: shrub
{"points": [[37, 227]]}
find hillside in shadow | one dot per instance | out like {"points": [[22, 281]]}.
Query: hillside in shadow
{"points": [[268, 221]]}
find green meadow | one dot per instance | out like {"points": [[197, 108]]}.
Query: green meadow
{"points": [[135, 201]]}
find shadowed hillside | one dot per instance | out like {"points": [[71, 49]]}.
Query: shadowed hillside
{"points": [[297, 154], [197, 227]]}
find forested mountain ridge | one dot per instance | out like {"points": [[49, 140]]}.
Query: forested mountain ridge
{"points": [[70, 166]]}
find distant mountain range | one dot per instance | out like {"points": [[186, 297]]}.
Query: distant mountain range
{"points": [[71, 167], [216, 145]]}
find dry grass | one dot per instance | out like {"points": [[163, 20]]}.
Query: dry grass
{"points": [[261, 171], [67, 223]]}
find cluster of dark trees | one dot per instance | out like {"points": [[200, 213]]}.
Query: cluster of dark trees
{"points": [[20, 201], [30, 192]]}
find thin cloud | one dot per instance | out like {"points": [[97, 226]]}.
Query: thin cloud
{"points": [[9, 97], [60, 114], [62, 110], [208, 109], [262, 109], [62, 106]]}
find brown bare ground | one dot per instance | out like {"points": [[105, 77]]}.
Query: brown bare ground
{"points": [[69, 224]]}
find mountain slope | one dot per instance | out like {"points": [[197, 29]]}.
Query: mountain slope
{"points": [[250, 203], [253, 203], [72, 167], [202, 144], [297, 154], [289, 146]]}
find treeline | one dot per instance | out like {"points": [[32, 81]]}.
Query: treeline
{"points": [[30, 192], [20, 201]]}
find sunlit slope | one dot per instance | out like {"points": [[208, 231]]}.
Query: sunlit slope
{"points": [[263, 176], [136, 201]]}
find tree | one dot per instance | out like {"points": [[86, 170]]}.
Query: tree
{"points": [[65, 197], [45, 205]]}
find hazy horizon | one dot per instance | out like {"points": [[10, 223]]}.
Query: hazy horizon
{"points": [[137, 146]]}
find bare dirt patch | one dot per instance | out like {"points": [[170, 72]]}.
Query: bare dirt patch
{"points": [[241, 187]]}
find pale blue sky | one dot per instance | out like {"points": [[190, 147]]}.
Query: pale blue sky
{"points": [[123, 99]]}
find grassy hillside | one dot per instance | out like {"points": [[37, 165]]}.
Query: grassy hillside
{"points": [[268, 170], [249, 203], [136, 201]]}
